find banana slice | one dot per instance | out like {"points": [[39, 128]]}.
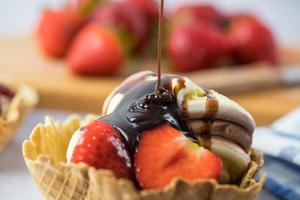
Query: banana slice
{"points": [[193, 103], [235, 160], [225, 129]]}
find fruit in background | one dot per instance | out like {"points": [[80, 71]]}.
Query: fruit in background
{"points": [[196, 13], [216, 38], [250, 40], [149, 8], [164, 153], [56, 31], [196, 46], [95, 51], [101, 146], [127, 19], [84, 7]]}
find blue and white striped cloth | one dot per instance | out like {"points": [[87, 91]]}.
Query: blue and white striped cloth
{"points": [[280, 144]]}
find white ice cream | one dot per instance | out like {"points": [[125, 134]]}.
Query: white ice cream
{"points": [[73, 142]]}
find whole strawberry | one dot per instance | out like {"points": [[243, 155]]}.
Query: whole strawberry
{"points": [[101, 146], [250, 40], [96, 50], [127, 19], [195, 46], [56, 31], [148, 7], [203, 13]]}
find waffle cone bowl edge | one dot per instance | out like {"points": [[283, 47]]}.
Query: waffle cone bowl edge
{"points": [[23, 101], [45, 151]]}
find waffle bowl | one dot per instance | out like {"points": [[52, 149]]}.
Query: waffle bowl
{"points": [[45, 156], [24, 100]]}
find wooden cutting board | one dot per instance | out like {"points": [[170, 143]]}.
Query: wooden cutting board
{"points": [[21, 58]]}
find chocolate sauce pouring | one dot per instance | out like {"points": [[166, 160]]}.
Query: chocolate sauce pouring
{"points": [[143, 107], [152, 102], [147, 104], [159, 43]]}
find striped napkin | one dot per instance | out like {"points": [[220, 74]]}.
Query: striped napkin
{"points": [[280, 144]]}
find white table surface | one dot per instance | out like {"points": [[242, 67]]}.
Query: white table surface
{"points": [[15, 180]]}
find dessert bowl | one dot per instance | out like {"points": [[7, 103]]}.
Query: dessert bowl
{"points": [[216, 123], [16, 99]]}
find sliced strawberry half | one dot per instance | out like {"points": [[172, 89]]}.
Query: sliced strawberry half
{"points": [[102, 147], [164, 153]]}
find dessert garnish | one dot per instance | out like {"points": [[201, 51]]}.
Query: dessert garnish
{"points": [[155, 128]]}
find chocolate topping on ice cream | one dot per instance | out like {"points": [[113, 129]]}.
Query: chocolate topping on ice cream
{"points": [[136, 106], [143, 107]]}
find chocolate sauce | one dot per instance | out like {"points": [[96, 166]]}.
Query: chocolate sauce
{"points": [[144, 107], [151, 102], [159, 43], [211, 109], [211, 106]]}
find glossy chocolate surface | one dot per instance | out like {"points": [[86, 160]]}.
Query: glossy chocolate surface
{"points": [[144, 107]]}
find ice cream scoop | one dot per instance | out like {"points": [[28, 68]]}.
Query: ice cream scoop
{"points": [[205, 116], [215, 121]]}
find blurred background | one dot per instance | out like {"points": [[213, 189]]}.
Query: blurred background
{"points": [[282, 16]]}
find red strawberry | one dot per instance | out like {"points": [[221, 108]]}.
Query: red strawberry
{"points": [[250, 40], [56, 31], [95, 51], [149, 8], [126, 18], [102, 147], [195, 46], [197, 13], [164, 153]]}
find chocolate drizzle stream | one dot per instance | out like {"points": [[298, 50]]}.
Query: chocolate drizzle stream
{"points": [[159, 43], [150, 102]]}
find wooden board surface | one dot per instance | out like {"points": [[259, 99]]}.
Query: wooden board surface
{"points": [[269, 104], [22, 59]]}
